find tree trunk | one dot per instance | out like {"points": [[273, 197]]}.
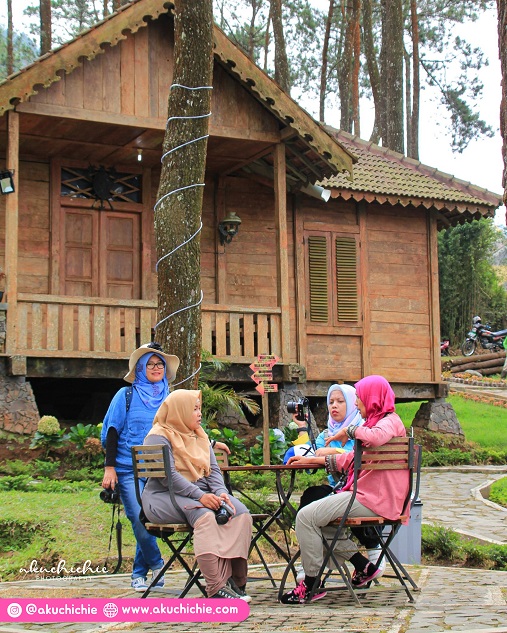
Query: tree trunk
{"points": [[408, 100], [392, 72], [416, 85], [502, 47], [346, 64], [282, 73], [178, 215], [10, 30], [373, 72], [323, 68], [45, 26], [355, 73]]}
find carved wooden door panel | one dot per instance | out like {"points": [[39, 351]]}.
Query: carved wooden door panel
{"points": [[101, 253]]}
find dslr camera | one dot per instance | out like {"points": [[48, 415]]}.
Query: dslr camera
{"points": [[108, 495], [298, 407], [223, 513]]}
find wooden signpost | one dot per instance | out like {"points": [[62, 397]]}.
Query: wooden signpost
{"points": [[262, 373]]}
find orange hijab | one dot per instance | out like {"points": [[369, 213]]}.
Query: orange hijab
{"points": [[191, 450]]}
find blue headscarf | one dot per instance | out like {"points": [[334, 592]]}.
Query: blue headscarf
{"points": [[151, 394], [352, 415]]}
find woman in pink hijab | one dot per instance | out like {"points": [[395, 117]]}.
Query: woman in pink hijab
{"points": [[378, 492]]}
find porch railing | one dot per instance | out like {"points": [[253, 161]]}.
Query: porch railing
{"points": [[61, 326]]}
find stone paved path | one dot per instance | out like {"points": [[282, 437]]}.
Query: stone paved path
{"points": [[451, 599]]}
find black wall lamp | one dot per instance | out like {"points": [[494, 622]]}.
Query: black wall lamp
{"points": [[6, 182], [229, 227]]}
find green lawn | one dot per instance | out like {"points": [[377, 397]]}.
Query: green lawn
{"points": [[484, 424], [49, 527]]}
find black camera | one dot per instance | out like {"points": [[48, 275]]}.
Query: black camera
{"points": [[298, 407], [108, 495], [223, 513]]}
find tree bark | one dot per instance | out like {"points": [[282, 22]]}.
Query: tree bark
{"points": [[346, 64], [45, 26], [10, 32], [502, 48], [323, 68], [355, 73], [282, 73], [416, 85], [178, 215], [373, 72], [392, 73]]}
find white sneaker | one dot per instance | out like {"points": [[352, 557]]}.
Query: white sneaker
{"points": [[160, 584], [139, 584], [373, 556]]}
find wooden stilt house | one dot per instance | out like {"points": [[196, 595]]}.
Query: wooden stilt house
{"points": [[335, 289]]}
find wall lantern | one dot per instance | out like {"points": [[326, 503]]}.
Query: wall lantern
{"points": [[6, 182], [228, 227]]}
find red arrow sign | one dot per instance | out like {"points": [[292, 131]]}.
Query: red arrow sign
{"points": [[262, 376], [260, 388], [270, 387]]}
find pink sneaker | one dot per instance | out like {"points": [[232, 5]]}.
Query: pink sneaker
{"points": [[362, 578], [300, 594]]}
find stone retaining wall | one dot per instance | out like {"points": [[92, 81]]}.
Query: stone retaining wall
{"points": [[18, 409]]}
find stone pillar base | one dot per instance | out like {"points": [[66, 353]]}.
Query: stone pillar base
{"points": [[438, 416], [18, 409]]}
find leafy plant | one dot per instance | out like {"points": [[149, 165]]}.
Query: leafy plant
{"points": [[79, 433], [15, 467], [237, 446], [15, 482], [45, 469], [277, 448], [49, 435]]}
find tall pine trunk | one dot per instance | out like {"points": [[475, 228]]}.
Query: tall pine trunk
{"points": [[416, 86], [45, 26], [178, 215], [502, 47], [392, 73], [10, 32], [323, 68], [282, 73], [373, 72]]}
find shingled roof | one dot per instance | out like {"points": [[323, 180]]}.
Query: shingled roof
{"points": [[315, 143], [384, 176]]}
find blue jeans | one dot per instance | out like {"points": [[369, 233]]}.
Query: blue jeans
{"points": [[147, 552]]}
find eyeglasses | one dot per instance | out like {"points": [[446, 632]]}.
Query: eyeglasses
{"points": [[155, 365]]}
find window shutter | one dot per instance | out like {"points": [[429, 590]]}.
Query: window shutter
{"points": [[317, 258], [346, 279]]}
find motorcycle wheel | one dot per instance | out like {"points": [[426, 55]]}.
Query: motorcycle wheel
{"points": [[468, 347]]}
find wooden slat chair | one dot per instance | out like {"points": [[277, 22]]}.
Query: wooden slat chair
{"points": [[400, 453], [153, 461], [261, 524]]}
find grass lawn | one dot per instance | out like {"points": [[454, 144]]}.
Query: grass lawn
{"points": [[49, 527], [484, 424]]}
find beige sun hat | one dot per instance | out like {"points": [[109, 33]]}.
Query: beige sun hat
{"points": [[171, 362]]}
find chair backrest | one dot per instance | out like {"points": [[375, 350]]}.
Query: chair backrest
{"points": [[221, 456], [149, 461], [399, 453]]}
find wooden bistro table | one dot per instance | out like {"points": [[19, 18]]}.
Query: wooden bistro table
{"points": [[263, 521]]}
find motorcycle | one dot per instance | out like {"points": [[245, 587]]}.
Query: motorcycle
{"points": [[481, 335]]}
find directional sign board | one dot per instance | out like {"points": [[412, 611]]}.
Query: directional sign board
{"points": [[262, 373]]}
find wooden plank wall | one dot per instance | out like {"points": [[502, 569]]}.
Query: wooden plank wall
{"points": [[398, 278]]}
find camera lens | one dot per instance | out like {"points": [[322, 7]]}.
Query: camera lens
{"points": [[292, 407]]}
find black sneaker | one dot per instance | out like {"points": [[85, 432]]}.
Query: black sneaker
{"points": [[226, 592], [239, 590], [363, 578], [300, 593]]}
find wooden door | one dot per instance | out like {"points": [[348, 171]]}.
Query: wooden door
{"points": [[101, 253]]}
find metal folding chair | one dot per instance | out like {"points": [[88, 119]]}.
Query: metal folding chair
{"points": [[400, 453], [261, 521], [153, 461]]}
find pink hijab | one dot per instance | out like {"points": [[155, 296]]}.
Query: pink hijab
{"points": [[377, 396]]}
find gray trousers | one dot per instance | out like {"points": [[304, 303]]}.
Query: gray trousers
{"points": [[311, 524]]}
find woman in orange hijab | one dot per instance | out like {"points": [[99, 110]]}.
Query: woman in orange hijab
{"points": [[221, 550]]}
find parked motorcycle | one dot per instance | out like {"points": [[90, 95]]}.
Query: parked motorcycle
{"points": [[481, 335]]}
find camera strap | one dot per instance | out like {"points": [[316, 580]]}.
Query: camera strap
{"points": [[116, 509]]}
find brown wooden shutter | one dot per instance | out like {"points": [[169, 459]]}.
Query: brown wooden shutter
{"points": [[346, 279], [317, 259]]}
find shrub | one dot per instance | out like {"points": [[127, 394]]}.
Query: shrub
{"points": [[277, 448], [231, 438], [16, 482], [43, 468], [498, 492], [48, 434], [15, 467], [80, 433], [15, 535]]}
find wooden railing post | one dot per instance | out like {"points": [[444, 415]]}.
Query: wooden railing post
{"points": [[11, 231]]}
